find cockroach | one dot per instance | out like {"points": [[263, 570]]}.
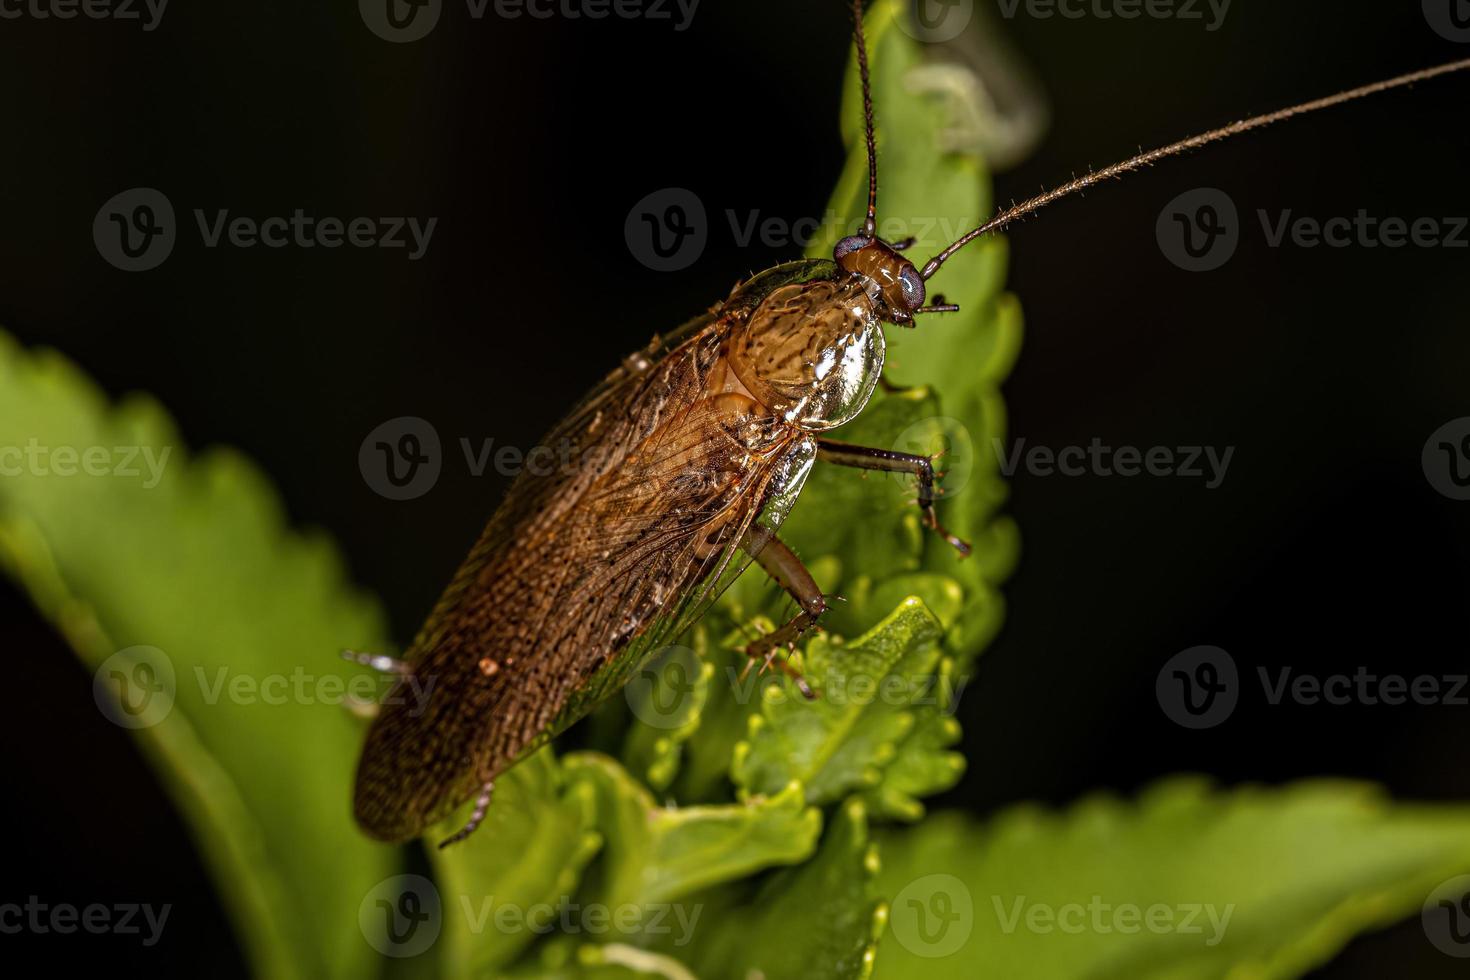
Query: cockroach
{"points": [[689, 456]]}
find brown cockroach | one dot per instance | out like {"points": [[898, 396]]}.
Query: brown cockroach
{"points": [[689, 456]]}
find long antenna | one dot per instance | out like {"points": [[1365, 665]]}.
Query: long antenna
{"points": [[870, 223], [1021, 210]]}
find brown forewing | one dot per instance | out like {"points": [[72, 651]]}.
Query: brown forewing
{"points": [[574, 569]]}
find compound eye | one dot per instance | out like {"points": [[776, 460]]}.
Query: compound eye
{"points": [[850, 244], [913, 288]]}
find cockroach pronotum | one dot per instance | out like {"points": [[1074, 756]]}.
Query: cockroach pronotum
{"points": [[690, 455]]}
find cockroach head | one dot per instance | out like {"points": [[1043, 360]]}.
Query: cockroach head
{"points": [[892, 280]]}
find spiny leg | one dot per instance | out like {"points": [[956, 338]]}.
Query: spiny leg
{"points": [[781, 563], [477, 817], [889, 461]]}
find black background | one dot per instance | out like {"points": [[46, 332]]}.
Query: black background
{"points": [[1325, 549]]}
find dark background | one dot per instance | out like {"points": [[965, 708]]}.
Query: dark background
{"points": [[1325, 549]]}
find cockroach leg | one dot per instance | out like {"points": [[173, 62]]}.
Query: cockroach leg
{"points": [[781, 563], [890, 387], [889, 461], [378, 662], [477, 817], [903, 244]]}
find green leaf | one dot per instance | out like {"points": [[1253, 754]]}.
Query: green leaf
{"points": [[859, 532], [841, 741], [524, 862], [654, 854], [666, 699], [182, 587], [819, 921], [867, 602], [1273, 882], [202, 567], [923, 764], [704, 775], [962, 357], [609, 961]]}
